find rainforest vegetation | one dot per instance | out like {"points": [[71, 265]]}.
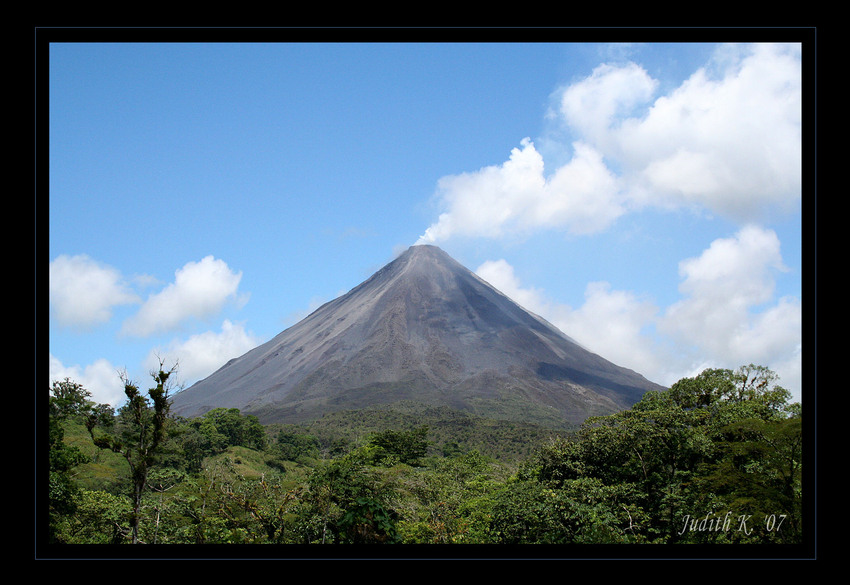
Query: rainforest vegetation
{"points": [[715, 459]]}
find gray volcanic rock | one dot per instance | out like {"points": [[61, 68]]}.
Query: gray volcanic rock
{"points": [[422, 329]]}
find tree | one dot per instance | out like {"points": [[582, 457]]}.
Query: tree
{"points": [[655, 449], [100, 518], [141, 433], [580, 511], [225, 427], [368, 521], [449, 500], [67, 399], [748, 391], [722, 440], [405, 446], [760, 471], [291, 446], [349, 502]]}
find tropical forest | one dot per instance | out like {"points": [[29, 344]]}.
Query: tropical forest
{"points": [[714, 460]]}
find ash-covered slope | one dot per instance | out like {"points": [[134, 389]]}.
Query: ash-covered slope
{"points": [[424, 329]]}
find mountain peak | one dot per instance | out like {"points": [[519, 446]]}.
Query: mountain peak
{"points": [[426, 251], [423, 248], [422, 328]]}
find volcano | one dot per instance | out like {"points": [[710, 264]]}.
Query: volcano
{"points": [[423, 329]]}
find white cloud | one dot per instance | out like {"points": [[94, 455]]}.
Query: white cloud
{"points": [[594, 106], [202, 354], [100, 378], [725, 292], [200, 290], [609, 323], [484, 203], [517, 197], [500, 274], [728, 315], [84, 292], [728, 140], [196, 357]]}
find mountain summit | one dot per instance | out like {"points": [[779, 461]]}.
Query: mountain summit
{"points": [[423, 329]]}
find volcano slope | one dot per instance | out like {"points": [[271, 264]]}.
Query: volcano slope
{"points": [[423, 329]]}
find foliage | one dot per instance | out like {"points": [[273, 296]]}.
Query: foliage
{"points": [[716, 459], [100, 518], [406, 447], [140, 434], [449, 431], [67, 399], [292, 446], [721, 443], [448, 501], [217, 430]]}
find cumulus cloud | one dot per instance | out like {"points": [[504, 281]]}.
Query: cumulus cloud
{"points": [[501, 275], [100, 378], [726, 291], [728, 314], [196, 357], [728, 140], [200, 355], [517, 197], [610, 322], [200, 289], [84, 292], [593, 106]]}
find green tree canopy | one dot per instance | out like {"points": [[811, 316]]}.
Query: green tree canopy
{"points": [[721, 439], [405, 446]]}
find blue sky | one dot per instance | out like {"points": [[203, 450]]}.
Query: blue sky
{"points": [[646, 198]]}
